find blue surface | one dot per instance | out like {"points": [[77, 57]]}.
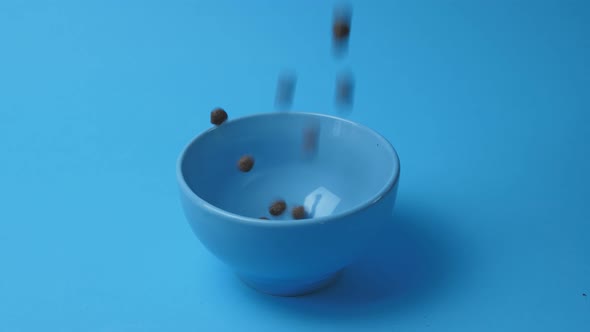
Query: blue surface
{"points": [[346, 180], [486, 103]]}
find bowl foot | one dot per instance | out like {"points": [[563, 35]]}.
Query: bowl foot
{"points": [[290, 287]]}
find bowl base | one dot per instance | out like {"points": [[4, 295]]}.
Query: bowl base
{"points": [[290, 287]]}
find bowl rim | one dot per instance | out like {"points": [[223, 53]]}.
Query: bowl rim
{"points": [[194, 198]]}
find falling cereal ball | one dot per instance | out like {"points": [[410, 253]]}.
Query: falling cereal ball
{"points": [[277, 208], [218, 116], [246, 163], [310, 139], [341, 29], [263, 218], [285, 91], [345, 90], [341, 22], [298, 212]]}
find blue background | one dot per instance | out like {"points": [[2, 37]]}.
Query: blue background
{"points": [[487, 103]]}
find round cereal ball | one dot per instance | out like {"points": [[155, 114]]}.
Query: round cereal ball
{"points": [[341, 30], [218, 116], [277, 208], [246, 163], [298, 212]]}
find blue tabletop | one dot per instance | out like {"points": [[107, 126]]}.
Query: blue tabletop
{"points": [[487, 103]]}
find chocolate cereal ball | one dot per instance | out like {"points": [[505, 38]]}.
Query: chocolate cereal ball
{"points": [[341, 29], [218, 116], [246, 163], [277, 208], [298, 212]]}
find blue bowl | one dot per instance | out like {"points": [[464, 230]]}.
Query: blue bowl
{"points": [[344, 174]]}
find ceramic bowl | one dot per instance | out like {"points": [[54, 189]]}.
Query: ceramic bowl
{"points": [[344, 174]]}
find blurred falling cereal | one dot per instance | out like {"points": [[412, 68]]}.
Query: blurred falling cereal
{"points": [[345, 91], [285, 90], [341, 25], [310, 138]]}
